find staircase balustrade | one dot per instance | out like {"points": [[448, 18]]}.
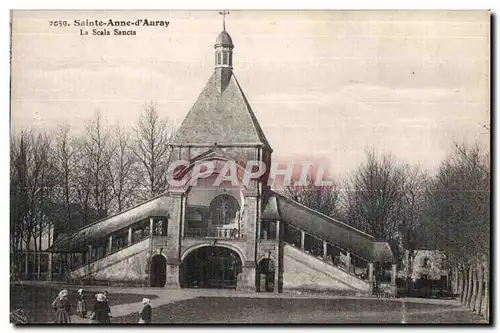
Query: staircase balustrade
{"points": [[94, 259], [336, 261], [221, 233]]}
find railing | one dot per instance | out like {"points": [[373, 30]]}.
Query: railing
{"points": [[336, 259], [359, 272], [114, 250], [213, 233]]}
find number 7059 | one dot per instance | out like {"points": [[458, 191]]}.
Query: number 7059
{"points": [[59, 23]]}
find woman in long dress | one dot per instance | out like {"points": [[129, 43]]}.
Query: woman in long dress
{"points": [[146, 312], [100, 310], [62, 307], [106, 299], [81, 304]]}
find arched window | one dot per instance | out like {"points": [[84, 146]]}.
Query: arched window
{"points": [[223, 209], [230, 59], [218, 58], [224, 58]]}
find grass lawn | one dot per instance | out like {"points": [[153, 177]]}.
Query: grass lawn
{"points": [[36, 301], [279, 310]]}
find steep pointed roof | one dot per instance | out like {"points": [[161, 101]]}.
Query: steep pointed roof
{"points": [[223, 117]]}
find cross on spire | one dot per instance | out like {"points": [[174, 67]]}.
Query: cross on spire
{"points": [[224, 13]]}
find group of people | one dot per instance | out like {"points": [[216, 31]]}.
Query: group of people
{"points": [[100, 313]]}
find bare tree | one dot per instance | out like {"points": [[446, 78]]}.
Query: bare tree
{"points": [[324, 199], [458, 216], [65, 159], [123, 169], [97, 149], [19, 149], [373, 197], [413, 187], [458, 204], [152, 138], [83, 184], [33, 182]]}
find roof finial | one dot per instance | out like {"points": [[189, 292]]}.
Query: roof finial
{"points": [[224, 13]]}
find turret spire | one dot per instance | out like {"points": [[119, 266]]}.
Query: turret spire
{"points": [[224, 13], [223, 56]]}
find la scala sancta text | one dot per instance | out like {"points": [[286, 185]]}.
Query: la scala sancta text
{"points": [[106, 32]]}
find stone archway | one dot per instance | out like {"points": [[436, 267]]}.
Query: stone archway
{"points": [[210, 267], [158, 271]]}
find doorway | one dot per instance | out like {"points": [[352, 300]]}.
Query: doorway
{"points": [[211, 267], [265, 275], [158, 274]]}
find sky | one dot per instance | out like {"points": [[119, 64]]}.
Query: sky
{"points": [[324, 85]]}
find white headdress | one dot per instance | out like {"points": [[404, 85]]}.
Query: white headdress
{"points": [[63, 293]]}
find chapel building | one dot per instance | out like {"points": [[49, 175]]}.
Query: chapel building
{"points": [[249, 237]]}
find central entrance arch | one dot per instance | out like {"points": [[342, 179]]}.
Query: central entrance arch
{"points": [[158, 273], [210, 267]]}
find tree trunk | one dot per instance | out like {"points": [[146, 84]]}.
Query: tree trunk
{"points": [[36, 261], [463, 299], [474, 288], [452, 279], [39, 265], [408, 273], [26, 264], [460, 280], [49, 268], [480, 293], [486, 311], [469, 287]]}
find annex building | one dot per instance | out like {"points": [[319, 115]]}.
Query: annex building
{"points": [[245, 237]]}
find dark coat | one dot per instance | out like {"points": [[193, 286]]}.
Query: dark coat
{"points": [[101, 310], [146, 313]]}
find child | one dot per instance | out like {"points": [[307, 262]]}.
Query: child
{"points": [[146, 312], [81, 304]]}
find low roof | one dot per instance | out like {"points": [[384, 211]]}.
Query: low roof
{"points": [[271, 211], [329, 229], [382, 252], [77, 241]]}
